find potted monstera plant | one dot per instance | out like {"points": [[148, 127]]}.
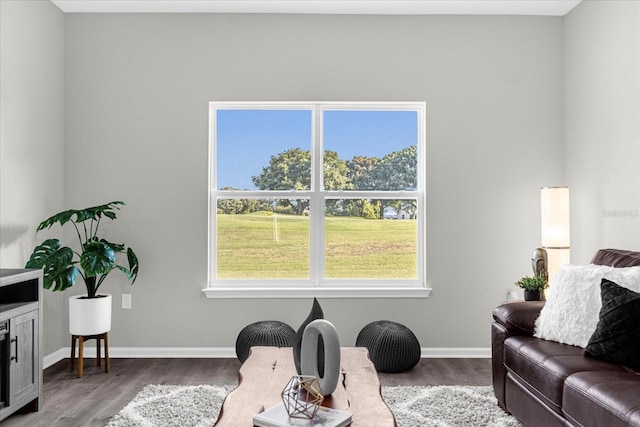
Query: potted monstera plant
{"points": [[89, 314]]}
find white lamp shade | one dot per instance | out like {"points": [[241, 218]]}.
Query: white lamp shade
{"points": [[554, 204]]}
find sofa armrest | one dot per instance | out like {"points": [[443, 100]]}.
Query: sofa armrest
{"points": [[518, 317], [511, 318]]}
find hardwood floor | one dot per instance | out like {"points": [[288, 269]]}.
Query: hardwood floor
{"points": [[90, 401]]}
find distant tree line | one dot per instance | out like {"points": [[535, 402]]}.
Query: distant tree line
{"points": [[291, 170]]}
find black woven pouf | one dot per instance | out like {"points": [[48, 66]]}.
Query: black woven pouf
{"points": [[392, 346], [269, 333]]}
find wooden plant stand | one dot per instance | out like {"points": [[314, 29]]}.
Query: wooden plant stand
{"points": [[81, 339]]}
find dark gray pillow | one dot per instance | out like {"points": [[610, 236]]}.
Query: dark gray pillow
{"points": [[617, 336]]}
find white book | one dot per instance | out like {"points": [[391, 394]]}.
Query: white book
{"points": [[277, 416]]}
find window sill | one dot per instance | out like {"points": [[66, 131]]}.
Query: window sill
{"points": [[320, 292]]}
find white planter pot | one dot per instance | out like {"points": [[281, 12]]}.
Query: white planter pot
{"points": [[89, 316]]}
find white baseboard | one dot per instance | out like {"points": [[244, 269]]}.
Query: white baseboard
{"points": [[456, 353], [57, 356], [230, 352], [147, 353]]}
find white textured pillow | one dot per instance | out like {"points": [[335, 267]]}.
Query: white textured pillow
{"points": [[570, 315]]}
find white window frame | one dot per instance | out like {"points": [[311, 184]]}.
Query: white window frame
{"points": [[316, 286]]}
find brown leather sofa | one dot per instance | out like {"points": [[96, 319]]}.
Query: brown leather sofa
{"points": [[545, 383]]}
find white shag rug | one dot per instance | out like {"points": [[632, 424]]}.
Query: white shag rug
{"points": [[431, 406], [173, 405], [446, 406]]}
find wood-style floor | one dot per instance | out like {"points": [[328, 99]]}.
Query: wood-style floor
{"points": [[90, 401]]}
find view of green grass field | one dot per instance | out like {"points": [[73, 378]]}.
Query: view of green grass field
{"points": [[265, 246]]}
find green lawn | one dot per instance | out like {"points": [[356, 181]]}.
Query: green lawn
{"points": [[250, 248]]}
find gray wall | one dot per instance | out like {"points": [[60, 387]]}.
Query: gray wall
{"points": [[502, 94], [136, 98], [602, 125], [32, 137]]}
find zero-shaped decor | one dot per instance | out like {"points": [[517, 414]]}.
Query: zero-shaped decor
{"points": [[316, 313], [309, 360]]}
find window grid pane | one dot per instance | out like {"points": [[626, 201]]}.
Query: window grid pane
{"points": [[361, 247], [264, 244]]}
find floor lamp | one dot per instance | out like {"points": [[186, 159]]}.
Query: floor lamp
{"points": [[555, 233]]}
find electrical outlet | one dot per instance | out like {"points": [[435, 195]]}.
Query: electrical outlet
{"points": [[126, 301], [512, 295]]}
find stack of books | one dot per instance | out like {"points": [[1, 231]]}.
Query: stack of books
{"points": [[277, 416]]}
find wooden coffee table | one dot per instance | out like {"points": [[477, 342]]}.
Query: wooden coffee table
{"points": [[268, 369]]}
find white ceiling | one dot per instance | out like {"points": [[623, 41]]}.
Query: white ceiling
{"points": [[369, 7]]}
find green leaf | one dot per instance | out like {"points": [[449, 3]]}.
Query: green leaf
{"points": [[132, 271], [532, 283], [96, 212], [97, 258], [115, 246], [82, 215], [62, 218], [59, 271], [133, 264], [110, 214]]}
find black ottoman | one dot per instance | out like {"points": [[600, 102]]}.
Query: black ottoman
{"points": [[392, 346], [269, 333]]}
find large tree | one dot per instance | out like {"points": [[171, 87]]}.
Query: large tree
{"points": [[291, 170], [336, 172], [359, 174], [336, 177], [237, 206], [360, 168], [396, 171]]}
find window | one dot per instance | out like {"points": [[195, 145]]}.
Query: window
{"points": [[316, 199]]}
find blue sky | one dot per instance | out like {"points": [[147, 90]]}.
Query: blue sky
{"points": [[246, 139]]}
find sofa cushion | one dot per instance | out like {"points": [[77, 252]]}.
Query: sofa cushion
{"points": [[602, 399], [570, 315], [617, 336], [544, 365], [528, 409]]}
